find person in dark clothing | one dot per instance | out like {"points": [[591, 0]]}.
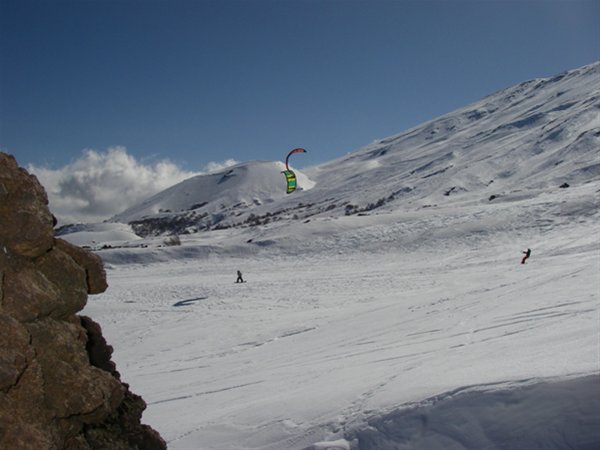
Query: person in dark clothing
{"points": [[239, 278], [527, 255]]}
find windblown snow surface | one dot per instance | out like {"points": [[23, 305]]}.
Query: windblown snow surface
{"points": [[386, 307]]}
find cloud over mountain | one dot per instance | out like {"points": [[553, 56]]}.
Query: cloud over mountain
{"points": [[100, 184]]}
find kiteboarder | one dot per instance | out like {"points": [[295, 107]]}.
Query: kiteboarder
{"points": [[239, 278], [527, 255]]}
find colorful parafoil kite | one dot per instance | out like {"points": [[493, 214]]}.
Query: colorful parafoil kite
{"points": [[290, 176]]}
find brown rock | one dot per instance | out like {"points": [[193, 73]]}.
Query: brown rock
{"points": [[15, 353], [59, 389], [98, 350], [95, 274], [69, 280], [25, 221], [73, 387], [27, 293], [19, 435]]}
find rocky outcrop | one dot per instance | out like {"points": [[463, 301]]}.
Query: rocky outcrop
{"points": [[59, 388]]}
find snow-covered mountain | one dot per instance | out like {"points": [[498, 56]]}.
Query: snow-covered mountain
{"points": [[532, 137], [386, 305], [207, 200], [536, 135]]}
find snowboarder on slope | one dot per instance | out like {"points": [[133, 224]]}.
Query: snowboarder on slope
{"points": [[527, 255], [239, 278]]}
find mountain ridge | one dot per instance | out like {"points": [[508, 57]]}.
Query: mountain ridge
{"points": [[536, 135]]}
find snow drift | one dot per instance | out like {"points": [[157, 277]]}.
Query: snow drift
{"points": [[546, 416]]}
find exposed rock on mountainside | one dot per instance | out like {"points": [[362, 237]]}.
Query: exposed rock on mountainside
{"points": [[58, 387]]}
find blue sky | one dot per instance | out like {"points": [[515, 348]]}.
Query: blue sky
{"points": [[111, 101], [201, 81]]}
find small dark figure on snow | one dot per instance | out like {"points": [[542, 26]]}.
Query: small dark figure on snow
{"points": [[239, 278], [527, 255]]}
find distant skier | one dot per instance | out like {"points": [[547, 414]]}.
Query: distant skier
{"points": [[239, 278], [527, 255]]}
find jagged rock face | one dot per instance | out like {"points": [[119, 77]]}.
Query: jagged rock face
{"points": [[23, 201], [59, 388]]}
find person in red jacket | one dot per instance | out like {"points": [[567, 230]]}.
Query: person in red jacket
{"points": [[527, 255]]}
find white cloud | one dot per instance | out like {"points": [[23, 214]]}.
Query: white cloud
{"points": [[216, 166], [99, 185]]}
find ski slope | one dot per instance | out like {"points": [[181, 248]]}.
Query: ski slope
{"points": [[316, 344], [385, 304]]}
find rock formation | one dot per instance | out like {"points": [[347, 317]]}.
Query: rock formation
{"points": [[59, 388]]}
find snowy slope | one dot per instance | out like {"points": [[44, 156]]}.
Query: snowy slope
{"points": [[532, 137], [96, 235], [538, 134], [314, 348], [385, 304], [206, 200]]}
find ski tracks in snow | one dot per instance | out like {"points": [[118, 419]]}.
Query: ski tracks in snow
{"points": [[310, 346]]}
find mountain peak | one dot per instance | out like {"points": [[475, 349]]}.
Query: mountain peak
{"points": [[206, 199]]}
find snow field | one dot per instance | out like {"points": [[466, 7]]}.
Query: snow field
{"points": [[313, 345]]}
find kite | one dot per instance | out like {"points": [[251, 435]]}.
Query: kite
{"points": [[290, 176]]}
